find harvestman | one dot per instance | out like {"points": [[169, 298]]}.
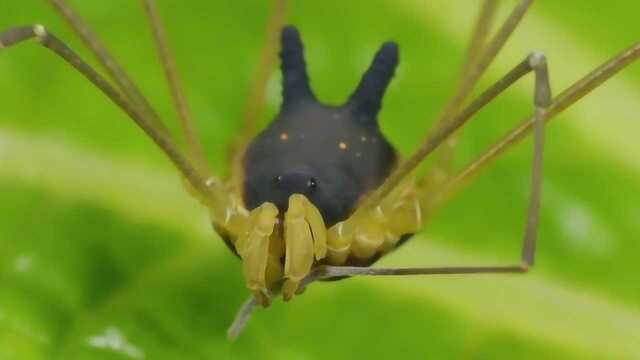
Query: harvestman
{"points": [[285, 253]]}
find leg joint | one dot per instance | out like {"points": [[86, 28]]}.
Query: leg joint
{"points": [[537, 60], [40, 32]]}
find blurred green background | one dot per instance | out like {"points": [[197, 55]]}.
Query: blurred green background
{"points": [[103, 255]]}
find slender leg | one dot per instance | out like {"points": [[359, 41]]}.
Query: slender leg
{"points": [[194, 146], [115, 71], [212, 196], [241, 319], [406, 167], [446, 154], [565, 99], [254, 107], [542, 100]]}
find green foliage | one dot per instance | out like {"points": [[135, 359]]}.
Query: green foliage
{"points": [[103, 255]]}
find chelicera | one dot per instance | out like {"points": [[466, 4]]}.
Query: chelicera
{"points": [[320, 194]]}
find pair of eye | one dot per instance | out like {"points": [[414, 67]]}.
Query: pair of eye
{"points": [[312, 183]]}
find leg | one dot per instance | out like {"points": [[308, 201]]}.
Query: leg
{"points": [[194, 147], [409, 165], [565, 99], [542, 100], [343, 234], [215, 197], [119, 76], [241, 319], [446, 154], [255, 105]]}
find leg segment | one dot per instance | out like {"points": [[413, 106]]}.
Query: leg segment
{"points": [[409, 165], [211, 195], [446, 154], [344, 234], [115, 71], [256, 102], [194, 147], [542, 100], [565, 99]]}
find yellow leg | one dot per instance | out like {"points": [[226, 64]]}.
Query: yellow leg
{"points": [[305, 240], [253, 246]]}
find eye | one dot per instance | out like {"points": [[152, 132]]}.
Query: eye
{"points": [[278, 179], [312, 184]]}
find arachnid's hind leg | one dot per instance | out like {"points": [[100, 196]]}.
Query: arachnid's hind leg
{"points": [[443, 166], [565, 99], [479, 59], [115, 71], [195, 150], [542, 100], [255, 104], [403, 210], [214, 196]]}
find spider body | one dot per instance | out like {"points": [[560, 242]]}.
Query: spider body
{"points": [[331, 154]]}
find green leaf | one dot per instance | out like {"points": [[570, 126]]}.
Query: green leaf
{"points": [[103, 255]]}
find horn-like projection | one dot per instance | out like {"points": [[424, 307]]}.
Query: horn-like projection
{"points": [[366, 100], [295, 81]]}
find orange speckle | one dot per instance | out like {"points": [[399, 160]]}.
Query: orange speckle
{"points": [[342, 145], [284, 136]]}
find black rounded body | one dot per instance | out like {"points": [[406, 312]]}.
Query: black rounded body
{"points": [[333, 155]]}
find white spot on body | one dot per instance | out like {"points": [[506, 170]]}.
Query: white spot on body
{"points": [[113, 339], [363, 138], [284, 136], [336, 116], [358, 154], [343, 145]]}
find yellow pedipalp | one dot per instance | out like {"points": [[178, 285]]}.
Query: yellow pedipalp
{"points": [[299, 245], [318, 229], [253, 247]]}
